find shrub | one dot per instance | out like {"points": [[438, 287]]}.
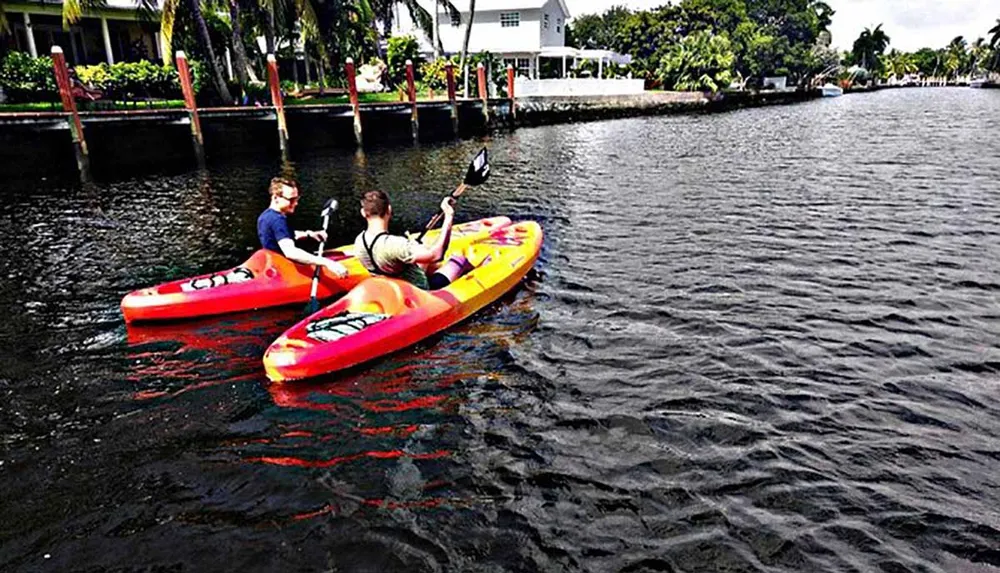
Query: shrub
{"points": [[27, 79], [433, 74], [134, 80], [490, 62], [402, 48]]}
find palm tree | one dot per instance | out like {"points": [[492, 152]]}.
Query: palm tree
{"points": [[205, 42], [243, 69], [869, 45], [979, 53], [995, 46], [956, 60], [385, 12], [167, 18], [4, 25], [465, 48], [72, 10], [825, 15], [901, 63]]}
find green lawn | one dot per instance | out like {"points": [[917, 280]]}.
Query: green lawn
{"points": [[383, 97], [92, 106]]}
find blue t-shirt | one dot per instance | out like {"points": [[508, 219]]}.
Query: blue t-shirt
{"points": [[271, 228]]}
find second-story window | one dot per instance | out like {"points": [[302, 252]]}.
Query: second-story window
{"points": [[510, 19], [559, 26], [456, 20], [546, 21]]}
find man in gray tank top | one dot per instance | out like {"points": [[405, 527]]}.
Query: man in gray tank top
{"points": [[400, 257]]}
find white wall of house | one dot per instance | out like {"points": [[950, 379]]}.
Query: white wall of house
{"points": [[553, 24], [488, 32]]}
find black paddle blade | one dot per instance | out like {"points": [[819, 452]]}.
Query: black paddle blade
{"points": [[329, 207], [479, 169]]}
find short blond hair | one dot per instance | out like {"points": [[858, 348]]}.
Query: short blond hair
{"points": [[278, 183]]}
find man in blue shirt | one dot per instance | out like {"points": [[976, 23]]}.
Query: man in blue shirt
{"points": [[275, 234]]}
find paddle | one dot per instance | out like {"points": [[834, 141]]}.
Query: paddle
{"points": [[329, 207], [477, 174]]}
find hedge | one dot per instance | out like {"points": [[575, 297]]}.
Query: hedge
{"points": [[26, 79]]}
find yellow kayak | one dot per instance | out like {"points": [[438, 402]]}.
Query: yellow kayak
{"points": [[382, 315]]}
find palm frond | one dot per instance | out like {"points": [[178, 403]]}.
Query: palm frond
{"points": [[450, 9], [72, 11], [167, 29], [4, 24], [306, 13]]}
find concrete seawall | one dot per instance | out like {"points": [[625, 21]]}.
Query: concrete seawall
{"points": [[38, 144]]}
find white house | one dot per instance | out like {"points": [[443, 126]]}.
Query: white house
{"points": [[111, 32], [518, 31]]}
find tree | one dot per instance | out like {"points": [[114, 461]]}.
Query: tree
{"points": [[995, 46], [995, 38], [869, 45], [205, 41], [646, 36], [596, 32], [979, 56], [899, 64], [586, 32], [465, 48], [956, 60], [4, 24], [239, 49], [927, 61], [701, 61]]}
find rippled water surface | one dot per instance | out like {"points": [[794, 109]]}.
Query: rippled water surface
{"points": [[765, 340]]}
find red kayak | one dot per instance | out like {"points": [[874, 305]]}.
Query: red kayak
{"points": [[266, 279]]}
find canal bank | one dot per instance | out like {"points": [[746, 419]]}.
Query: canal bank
{"points": [[39, 144]]}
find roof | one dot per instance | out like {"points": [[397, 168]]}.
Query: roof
{"points": [[570, 52], [495, 5]]}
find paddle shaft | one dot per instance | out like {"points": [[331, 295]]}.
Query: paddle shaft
{"points": [[319, 253], [437, 216]]}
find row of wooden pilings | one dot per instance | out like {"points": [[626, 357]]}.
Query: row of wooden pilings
{"points": [[277, 100]]}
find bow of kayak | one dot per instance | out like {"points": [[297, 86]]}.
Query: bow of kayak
{"points": [[382, 315], [266, 279]]}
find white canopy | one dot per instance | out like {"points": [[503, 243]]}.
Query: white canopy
{"points": [[568, 52], [565, 52], [607, 55]]}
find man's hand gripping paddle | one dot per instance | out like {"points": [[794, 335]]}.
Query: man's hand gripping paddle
{"points": [[328, 208], [478, 172]]}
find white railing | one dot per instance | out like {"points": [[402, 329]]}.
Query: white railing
{"points": [[524, 87]]}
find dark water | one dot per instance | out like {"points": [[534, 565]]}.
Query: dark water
{"points": [[766, 340]]}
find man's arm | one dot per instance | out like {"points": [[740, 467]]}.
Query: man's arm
{"points": [[314, 235], [435, 252], [301, 256]]}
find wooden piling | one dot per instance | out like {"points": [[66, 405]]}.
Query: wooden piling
{"points": [[279, 104], [411, 88], [73, 117], [481, 72], [352, 90], [510, 91], [449, 71], [187, 88]]}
